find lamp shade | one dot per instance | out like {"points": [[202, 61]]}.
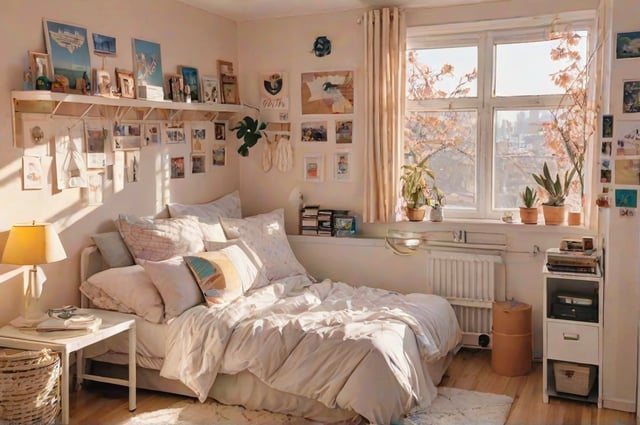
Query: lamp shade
{"points": [[31, 244]]}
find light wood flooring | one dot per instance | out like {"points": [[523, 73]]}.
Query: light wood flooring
{"points": [[471, 369]]}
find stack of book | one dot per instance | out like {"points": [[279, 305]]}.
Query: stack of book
{"points": [[572, 261], [325, 222], [309, 220]]}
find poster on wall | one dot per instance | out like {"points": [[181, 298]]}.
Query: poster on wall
{"points": [[71, 169], [147, 68], [627, 171], [327, 92], [274, 96], [628, 138], [96, 137], [68, 46], [32, 176]]}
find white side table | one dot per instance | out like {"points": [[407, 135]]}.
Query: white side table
{"points": [[67, 342]]}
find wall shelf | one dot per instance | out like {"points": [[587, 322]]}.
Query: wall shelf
{"points": [[115, 108]]}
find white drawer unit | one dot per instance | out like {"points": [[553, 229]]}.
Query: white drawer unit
{"points": [[572, 329], [572, 342]]}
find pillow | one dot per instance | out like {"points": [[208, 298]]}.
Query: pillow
{"points": [[176, 285], [264, 234], [125, 289], [216, 275], [208, 215], [246, 262], [113, 249], [157, 239]]}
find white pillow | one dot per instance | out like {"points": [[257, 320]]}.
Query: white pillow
{"points": [[157, 239], [126, 289], [176, 285], [264, 234], [208, 214]]}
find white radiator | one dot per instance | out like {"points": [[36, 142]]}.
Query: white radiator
{"points": [[469, 281]]}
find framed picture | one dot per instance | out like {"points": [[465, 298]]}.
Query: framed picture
{"points": [[32, 175], [628, 45], [315, 131], [327, 92], [210, 90], [102, 81], [177, 167], [607, 126], [152, 134], [198, 136], [631, 97], [147, 63], [68, 46], [219, 155], [313, 164], [174, 133], [190, 77], [230, 90], [96, 135], [342, 166], [344, 131], [225, 68], [125, 83], [176, 87], [198, 164], [104, 45], [40, 64], [220, 131], [132, 159], [127, 136]]}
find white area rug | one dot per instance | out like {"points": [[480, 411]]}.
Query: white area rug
{"points": [[451, 407]]}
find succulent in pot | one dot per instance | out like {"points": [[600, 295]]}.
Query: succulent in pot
{"points": [[529, 212], [557, 190]]}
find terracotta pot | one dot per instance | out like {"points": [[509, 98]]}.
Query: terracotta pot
{"points": [[416, 214], [575, 218], [529, 215], [553, 215]]}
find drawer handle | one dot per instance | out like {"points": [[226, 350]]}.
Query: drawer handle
{"points": [[570, 337]]}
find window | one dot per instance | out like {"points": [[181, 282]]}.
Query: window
{"points": [[481, 103]]}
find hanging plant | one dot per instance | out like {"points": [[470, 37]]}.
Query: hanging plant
{"points": [[250, 131]]}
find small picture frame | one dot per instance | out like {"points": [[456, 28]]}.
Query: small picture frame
{"points": [[127, 136], [313, 168], [631, 96], [230, 90], [177, 167], [342, 166], [174, 133], [176, 87], [191, 79], [219, 155], [225, 67], [125, 83], [198, 137], [152, 134], [627, 45], [344, 225], [103, 82], [344, 131], [40, 64], [220, 131], [104, 45], [198, 164], [607, 126], [313, 131], [32, 174], [210, 89]]}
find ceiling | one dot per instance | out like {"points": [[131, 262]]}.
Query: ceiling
{"points": [[250, 10]]}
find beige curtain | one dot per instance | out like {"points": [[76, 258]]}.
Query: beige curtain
{"points": [[385, 45]]}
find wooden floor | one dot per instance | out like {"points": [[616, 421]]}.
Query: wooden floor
{"points": [[471, 370]]}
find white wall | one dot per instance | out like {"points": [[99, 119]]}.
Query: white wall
{"points": [[187, 36]]}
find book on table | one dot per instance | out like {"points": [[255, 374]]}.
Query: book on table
{"points": [[82, 322]]}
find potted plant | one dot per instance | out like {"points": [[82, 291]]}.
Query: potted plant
{"points": [[529, 212], [250, 131], [435, 199], [557, 190], [415, 188]]}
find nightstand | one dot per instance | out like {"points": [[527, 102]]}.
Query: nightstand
{"points": [[67, 342]]}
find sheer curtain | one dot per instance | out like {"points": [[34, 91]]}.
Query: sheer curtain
{"points": [[385, 47]]}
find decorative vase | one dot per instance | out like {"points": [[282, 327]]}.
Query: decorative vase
{"points": [[416, 214], [529, 215], [553, 215], [435, 214]]}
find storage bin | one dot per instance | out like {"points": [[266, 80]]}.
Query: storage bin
{"points": [[29, 387], [512, 339], [574, 378]]}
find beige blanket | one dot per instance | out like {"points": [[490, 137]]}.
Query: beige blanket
{"points": [[356, 348]]}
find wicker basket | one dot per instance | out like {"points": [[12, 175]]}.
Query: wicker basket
{"points": [[29, 387], [574, 378]]}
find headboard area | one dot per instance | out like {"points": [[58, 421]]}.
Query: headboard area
{"points": [[91, 262]]}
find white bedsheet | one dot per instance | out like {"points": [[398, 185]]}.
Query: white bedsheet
{"points": [[355, 348]]}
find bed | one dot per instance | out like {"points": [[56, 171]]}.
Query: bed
{"points": [[235, 317]]}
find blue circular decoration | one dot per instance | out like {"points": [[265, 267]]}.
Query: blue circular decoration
{"points": [[322, 46]]}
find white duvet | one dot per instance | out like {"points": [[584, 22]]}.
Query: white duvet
{"points": [[360, 349]]}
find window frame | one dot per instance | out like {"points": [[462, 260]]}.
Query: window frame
{"points": [[485, 35]]}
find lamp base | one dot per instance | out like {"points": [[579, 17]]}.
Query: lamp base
{"points": [[32, 309]]}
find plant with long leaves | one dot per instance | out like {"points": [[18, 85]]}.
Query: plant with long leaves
{"points": [[557, 190], [529, 197], [415, 189], [250, 131]]}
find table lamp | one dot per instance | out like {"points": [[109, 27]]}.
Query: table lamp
{"points": [[33, 244]]}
